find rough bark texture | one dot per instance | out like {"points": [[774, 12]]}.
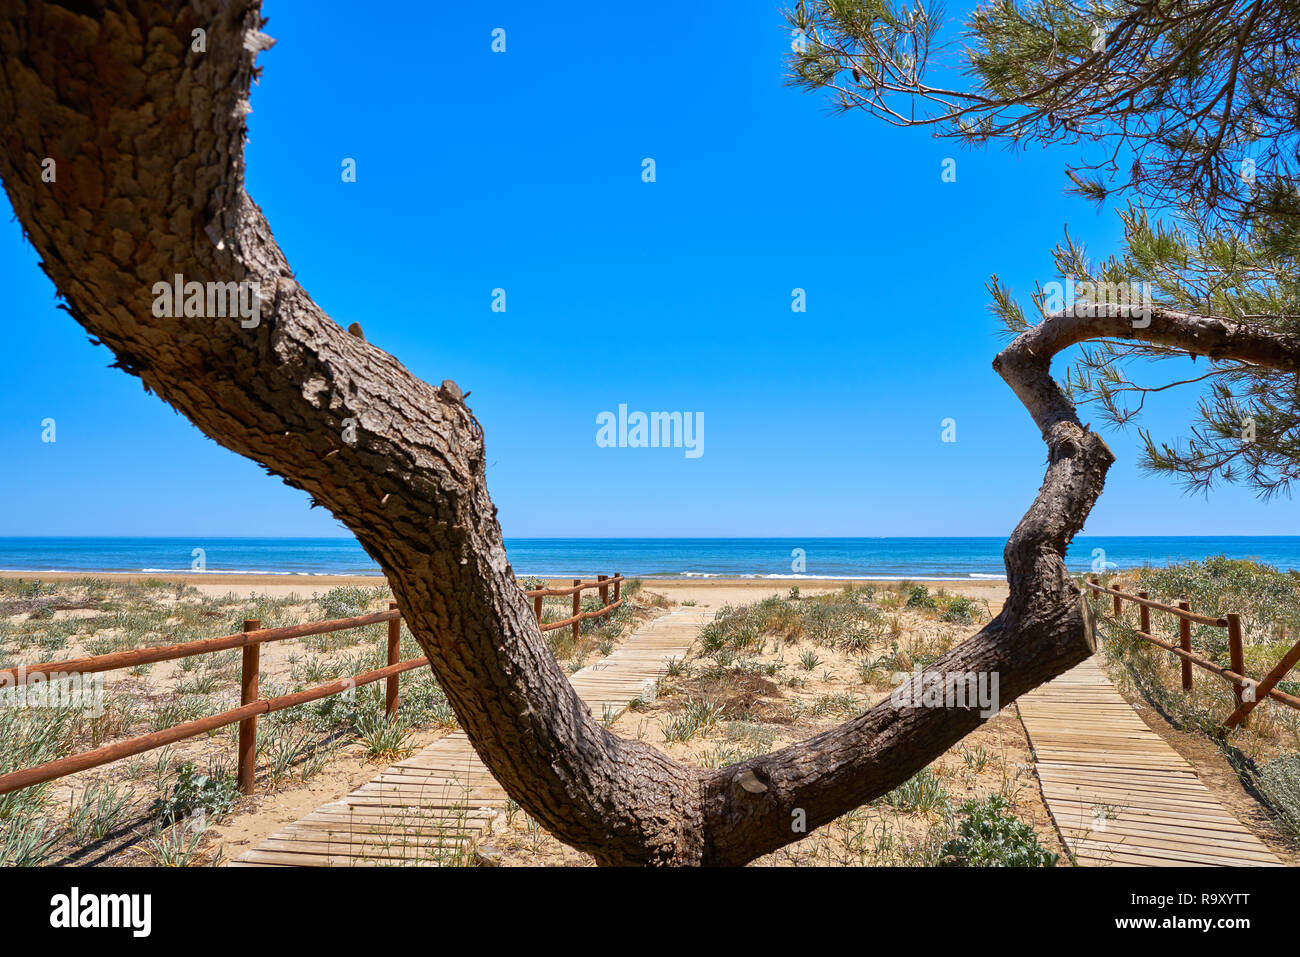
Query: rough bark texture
{"points": [[148, 139]]}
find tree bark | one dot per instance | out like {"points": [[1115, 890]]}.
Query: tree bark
{"points": [[147, 138]]}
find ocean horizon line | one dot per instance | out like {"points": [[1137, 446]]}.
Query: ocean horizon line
{"points": [[953, 557]]}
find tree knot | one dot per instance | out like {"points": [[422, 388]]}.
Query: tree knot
{"points": [[751, 782], [450, 392]]}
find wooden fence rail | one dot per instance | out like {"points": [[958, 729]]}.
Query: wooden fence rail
{"points": [[602, 582], [1246, 690], [251, 705]]}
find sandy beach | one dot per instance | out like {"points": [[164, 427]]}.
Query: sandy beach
{"points": [[678, 589], [750, 589]]}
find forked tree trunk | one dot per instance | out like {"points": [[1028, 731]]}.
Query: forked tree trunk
{"points": [[147, 139]]}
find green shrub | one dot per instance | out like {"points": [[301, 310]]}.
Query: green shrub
{"points": [[862, 593], [194, 791], [990, 836], [1279, 782], [960, 610], [347, 601], [918, 596], [844, 620]]}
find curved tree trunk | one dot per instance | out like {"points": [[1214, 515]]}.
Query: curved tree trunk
{"points": [[147, 138]]}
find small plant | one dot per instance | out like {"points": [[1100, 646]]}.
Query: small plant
{"points": [[177, 847], [809, 660], [976, 760], [918, 596], [694, 718], [292, 752], [384, 737], [26, 842], [96, 811], [512, 809], [345, 601], [192, 792], [960, 610], [922, 792], [722, 755], [990, 836], [199, 685], [843, 704]]}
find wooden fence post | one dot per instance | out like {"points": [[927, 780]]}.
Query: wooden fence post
{"points": [[1185, 642], [1280, 671], [604, 591], [394, 649], [1144, 616], [577, 609], [248, 727], [1238, 659], [618, 584], [1119, 607], [537, 608]]}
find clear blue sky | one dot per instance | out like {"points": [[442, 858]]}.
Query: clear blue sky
{"points": [[522, 171]]}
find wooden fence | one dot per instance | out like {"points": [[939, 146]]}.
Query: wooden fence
{"points": [[1246, 690], [602, 582], [251, 640]]}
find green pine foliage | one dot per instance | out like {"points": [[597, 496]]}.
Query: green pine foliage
{"points": [[1188, 110]]}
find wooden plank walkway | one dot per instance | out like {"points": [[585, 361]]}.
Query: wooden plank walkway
{"points": [[430, 808], [1118, 793]]}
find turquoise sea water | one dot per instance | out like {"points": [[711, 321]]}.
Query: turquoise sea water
{"points": [[954, 558]]}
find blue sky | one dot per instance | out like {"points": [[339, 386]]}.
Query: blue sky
{"points": [[522, 171]]}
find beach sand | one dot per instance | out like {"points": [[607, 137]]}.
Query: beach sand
{"points": [[741, 590], [276, 586], [719, 590]]}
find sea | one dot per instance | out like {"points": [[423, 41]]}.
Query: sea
{"points": [[936, 559]]}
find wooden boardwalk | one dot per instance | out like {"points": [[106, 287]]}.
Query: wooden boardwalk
{"points": [[1118, 793], [430, 808]]}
